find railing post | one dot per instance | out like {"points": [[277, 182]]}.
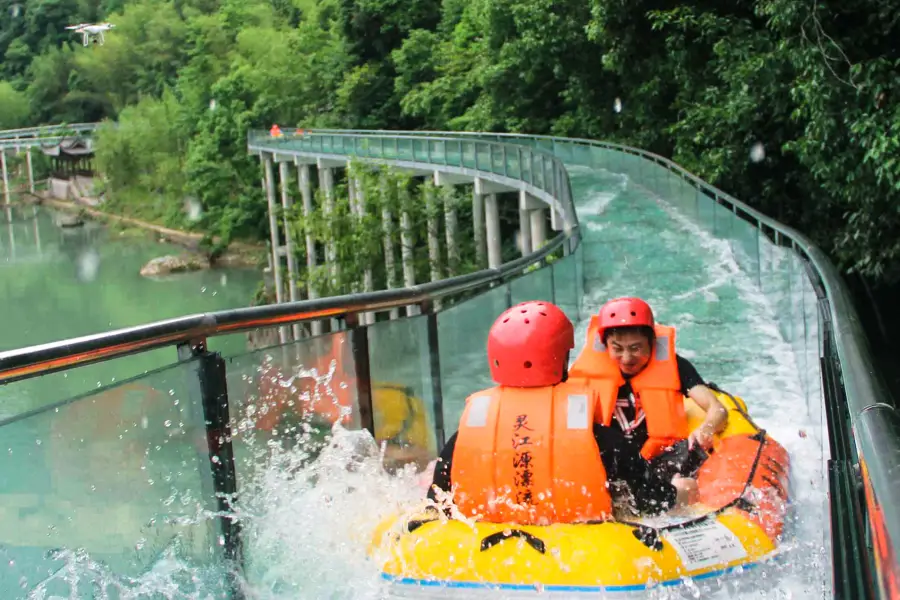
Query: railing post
{"points": [[759, 261], [5, 176], [434, 354], [214, 401], [715, 203], [359, 347], [551, 265]]}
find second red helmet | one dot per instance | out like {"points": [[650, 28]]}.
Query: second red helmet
{"points": [[528, 345], [624, 312]]}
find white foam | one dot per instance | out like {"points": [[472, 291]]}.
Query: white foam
{"points": [[308, 526], [597, 197]]}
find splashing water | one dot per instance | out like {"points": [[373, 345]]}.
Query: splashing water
{"points": [[170, 577], [88, 263], [322, 516], [310, 506], [757, 152], [193, 209]]}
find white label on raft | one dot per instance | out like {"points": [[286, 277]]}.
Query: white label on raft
{"points": [[705, 545], [576, 417], [478, 411]]}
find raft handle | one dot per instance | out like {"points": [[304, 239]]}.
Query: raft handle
{"points": [[738, 408], [495, 538], [649, 536], [741, 503], [416, 523]]}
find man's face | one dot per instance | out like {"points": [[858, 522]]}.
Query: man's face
{"points": [[631, 351]]}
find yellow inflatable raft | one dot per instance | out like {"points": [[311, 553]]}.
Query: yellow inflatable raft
{"points": [[737, 522]]}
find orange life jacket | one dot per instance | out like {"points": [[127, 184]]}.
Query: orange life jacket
{"points": [[657, 389], [529, 456]]}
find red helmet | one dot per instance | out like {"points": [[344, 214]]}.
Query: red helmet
{"points": [[624, 312], [528, 345]]}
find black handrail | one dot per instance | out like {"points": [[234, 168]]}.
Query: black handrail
{"points": [[47, 358]]}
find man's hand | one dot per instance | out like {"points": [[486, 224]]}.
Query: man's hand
{"points": [[716, 417], [686, 490], [701, 437]]}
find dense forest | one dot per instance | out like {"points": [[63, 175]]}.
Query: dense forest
{"points": [[815, 83]]}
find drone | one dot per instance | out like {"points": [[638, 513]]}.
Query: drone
{"points": [[91, 32]]}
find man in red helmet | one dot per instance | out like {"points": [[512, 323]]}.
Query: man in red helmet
{"points": [[533, 439], [643, 383]]}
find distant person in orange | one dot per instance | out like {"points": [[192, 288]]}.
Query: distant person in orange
{"points": [[526, 450], [275, 131], [643, 383]]}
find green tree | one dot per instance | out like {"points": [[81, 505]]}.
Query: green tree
{"points": [[142, 158], [141, 57], [13, 107]]}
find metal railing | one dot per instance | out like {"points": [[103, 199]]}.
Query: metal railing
{"points": [[537, 172], [46, 131], [34, 137]]}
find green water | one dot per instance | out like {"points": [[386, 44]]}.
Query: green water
{"points": [[58, 283]]}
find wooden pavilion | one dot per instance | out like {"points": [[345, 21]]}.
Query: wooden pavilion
{"points": [[71, 157]]}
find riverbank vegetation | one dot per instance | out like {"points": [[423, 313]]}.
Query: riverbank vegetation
{"points": [[788, 105]]}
